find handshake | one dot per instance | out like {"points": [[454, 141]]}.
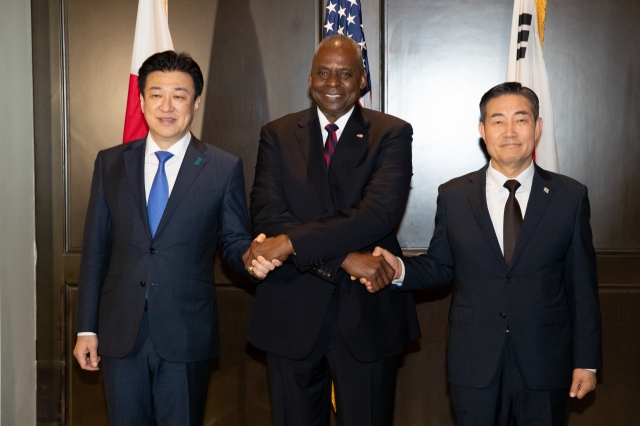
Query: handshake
{"points": [[374, 270]]}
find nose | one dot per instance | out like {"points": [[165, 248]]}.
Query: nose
{"points": [[166, 105], [510, 130], [333, 80]]}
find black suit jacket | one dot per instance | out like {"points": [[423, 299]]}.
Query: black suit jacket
{"points": [[547, 298], [355, 206], [121, 262]]}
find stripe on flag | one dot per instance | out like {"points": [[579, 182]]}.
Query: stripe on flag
{"points": [[345, 17], [152, 36], [525, 64]]}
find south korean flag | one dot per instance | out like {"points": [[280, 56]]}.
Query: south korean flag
{"points": [[525, 65]]}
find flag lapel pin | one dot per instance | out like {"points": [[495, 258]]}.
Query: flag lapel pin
{"points": [[199, 160], [546, 189]]}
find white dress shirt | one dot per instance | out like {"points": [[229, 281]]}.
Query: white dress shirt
{"points": [[340, 122], [171, 167], [497, 196]]}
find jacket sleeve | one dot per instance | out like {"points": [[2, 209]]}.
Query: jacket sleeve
{"points": [[434, 268], [233, 233], [581, 285], [96, 253]]}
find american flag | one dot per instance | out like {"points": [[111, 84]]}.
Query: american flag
{"points": [[345, 17]]}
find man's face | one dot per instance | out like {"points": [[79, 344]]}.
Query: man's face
{"points": [[168, 105], [336, 80], [510, 133]]}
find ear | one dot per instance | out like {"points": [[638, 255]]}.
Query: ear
{"points": [[363, 80], [538, 130], [196, 105], [142, 103], [309, 80], [481, 130]]}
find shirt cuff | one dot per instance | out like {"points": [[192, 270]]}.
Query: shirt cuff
{"points": [[87, 333], [400, 280], [593, 370]]}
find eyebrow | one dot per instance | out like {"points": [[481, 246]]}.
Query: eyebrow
{"points": [[175, 88], [499, 114]]}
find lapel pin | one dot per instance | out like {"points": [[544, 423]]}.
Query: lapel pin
{"points": [[200, 159], [360, 135], [546, 189]]}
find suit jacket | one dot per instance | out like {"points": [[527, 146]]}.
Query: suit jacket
{"points": [[547, 298], [354, 206], [121, 261]]}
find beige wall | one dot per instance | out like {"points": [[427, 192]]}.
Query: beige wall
{"points": [[17, 219]]}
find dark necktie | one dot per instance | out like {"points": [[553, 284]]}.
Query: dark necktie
{"points": [[159, 193], [330, 144], [512, 220]]}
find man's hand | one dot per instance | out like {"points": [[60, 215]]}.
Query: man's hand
{"points": [[275, 248], [374, 272], [391, 259], [86, 352], [584, 381], [259, 267]]}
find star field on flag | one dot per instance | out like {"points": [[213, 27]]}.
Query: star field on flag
{"points": [[345, 17]]}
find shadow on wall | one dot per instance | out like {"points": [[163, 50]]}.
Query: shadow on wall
{"points": [[235, 91]]}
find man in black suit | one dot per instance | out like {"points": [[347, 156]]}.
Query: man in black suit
{"points": [[324, 205], [159, 207], [524, 322]]}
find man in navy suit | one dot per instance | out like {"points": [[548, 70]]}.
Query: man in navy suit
{"points": [[524, 322], [159, 207], [330, 181]]}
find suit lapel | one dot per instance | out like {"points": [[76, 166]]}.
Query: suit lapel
{"points": [[542, 190], [477, 196], [189, 171], [310, 141], [134, 163], [350, 147]]}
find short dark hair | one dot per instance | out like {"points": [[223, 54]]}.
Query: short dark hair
{"points": [[169, 61], [510, 88]]}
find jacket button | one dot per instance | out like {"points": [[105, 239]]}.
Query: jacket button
{"points": [[502, 315], [509, 280], [152, 250], [142, 283]]}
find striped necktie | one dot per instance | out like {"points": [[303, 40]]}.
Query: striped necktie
{"points": [[330, 144]]}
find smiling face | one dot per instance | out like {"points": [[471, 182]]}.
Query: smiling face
{"points": [[510, 133], [168, 105], [336, 79]]}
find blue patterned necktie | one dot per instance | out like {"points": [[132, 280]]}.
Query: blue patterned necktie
{"points": [[159, 193], [330, 144]]}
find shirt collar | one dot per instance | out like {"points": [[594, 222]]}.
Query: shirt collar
{"points": [[340, 122], [496, 179], [178, 149]]}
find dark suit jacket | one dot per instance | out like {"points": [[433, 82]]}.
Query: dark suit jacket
{"points": [[120, 260], [548, 297], [355, 206]]}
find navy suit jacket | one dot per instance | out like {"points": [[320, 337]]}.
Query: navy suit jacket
{"points": [[547, 297], [121, 262], [327, 215]]}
